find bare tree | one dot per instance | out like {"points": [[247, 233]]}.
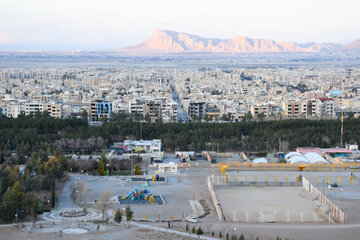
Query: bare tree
{"points": [[208, 226], [103, 202], [82, 194]]}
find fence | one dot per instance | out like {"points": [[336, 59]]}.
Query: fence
{"points": [[336, 213], [231, 166], [215, 201], [251, 180], [274, 179], [274, 213]]}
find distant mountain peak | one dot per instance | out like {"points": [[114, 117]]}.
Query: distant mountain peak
{"points": [[354, 45], [168, 41]]}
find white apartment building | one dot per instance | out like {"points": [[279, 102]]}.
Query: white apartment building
{"points": [[313, 108], [33, 108], [136, 106], [14, 110], [327, 107], [169, 112], [120, 106]]}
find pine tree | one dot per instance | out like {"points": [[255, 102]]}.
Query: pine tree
{"points": [[128, 213], [8, 205], [199, 231], [20, 196], [118, 216]]}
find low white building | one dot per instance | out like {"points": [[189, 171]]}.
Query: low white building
{"points": [[146, 146], [169, 167]]}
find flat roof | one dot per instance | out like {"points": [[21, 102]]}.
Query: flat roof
{"points": [[337, 150], [307, 150]]}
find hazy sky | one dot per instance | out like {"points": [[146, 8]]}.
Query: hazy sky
{"points": [[107, 24]]}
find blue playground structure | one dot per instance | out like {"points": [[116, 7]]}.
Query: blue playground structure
{"points": [[137, 194]]}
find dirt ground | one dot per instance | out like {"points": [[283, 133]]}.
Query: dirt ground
{"points": [[111, 232], [268, 204]]}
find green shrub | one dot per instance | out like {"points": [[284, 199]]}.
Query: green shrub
{"points": [[199, 231], [118, 216]]}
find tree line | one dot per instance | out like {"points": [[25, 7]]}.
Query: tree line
{"points": [[32, 190], [29, 134]]}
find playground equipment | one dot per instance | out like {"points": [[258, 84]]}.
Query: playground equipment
{"points": [[137, 194], [302, 167], [155, 177], [152, 199]]}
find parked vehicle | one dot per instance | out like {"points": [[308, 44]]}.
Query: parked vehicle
{"points": [[192, 219]]}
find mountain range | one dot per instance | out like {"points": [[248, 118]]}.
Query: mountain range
{"points": [[166, 41]]}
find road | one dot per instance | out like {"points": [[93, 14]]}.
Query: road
{"points": [[181, 113], [65, 200], [284, 231]]}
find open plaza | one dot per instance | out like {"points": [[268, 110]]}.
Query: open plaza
{"points": [[223, 196]]}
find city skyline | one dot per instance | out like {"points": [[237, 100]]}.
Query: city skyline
{"points": [[91, 25]]}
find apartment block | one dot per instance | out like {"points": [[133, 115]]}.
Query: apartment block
{"points": [[100, 109], [196, 109]]}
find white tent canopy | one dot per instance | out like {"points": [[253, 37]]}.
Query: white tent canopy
{"points": [[313, 158], [298, 160], [259, 160], [292, 154]]}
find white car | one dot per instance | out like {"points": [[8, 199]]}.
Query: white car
{"points": [[192, 219]]}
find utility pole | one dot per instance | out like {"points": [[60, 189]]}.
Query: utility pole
{"points": [[279, 144], [140, 130], [342, 113]]}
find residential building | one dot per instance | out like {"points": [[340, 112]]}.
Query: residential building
{"points": [[100, 109]]}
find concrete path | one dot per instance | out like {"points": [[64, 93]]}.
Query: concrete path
{"points": [[171, 231]]}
